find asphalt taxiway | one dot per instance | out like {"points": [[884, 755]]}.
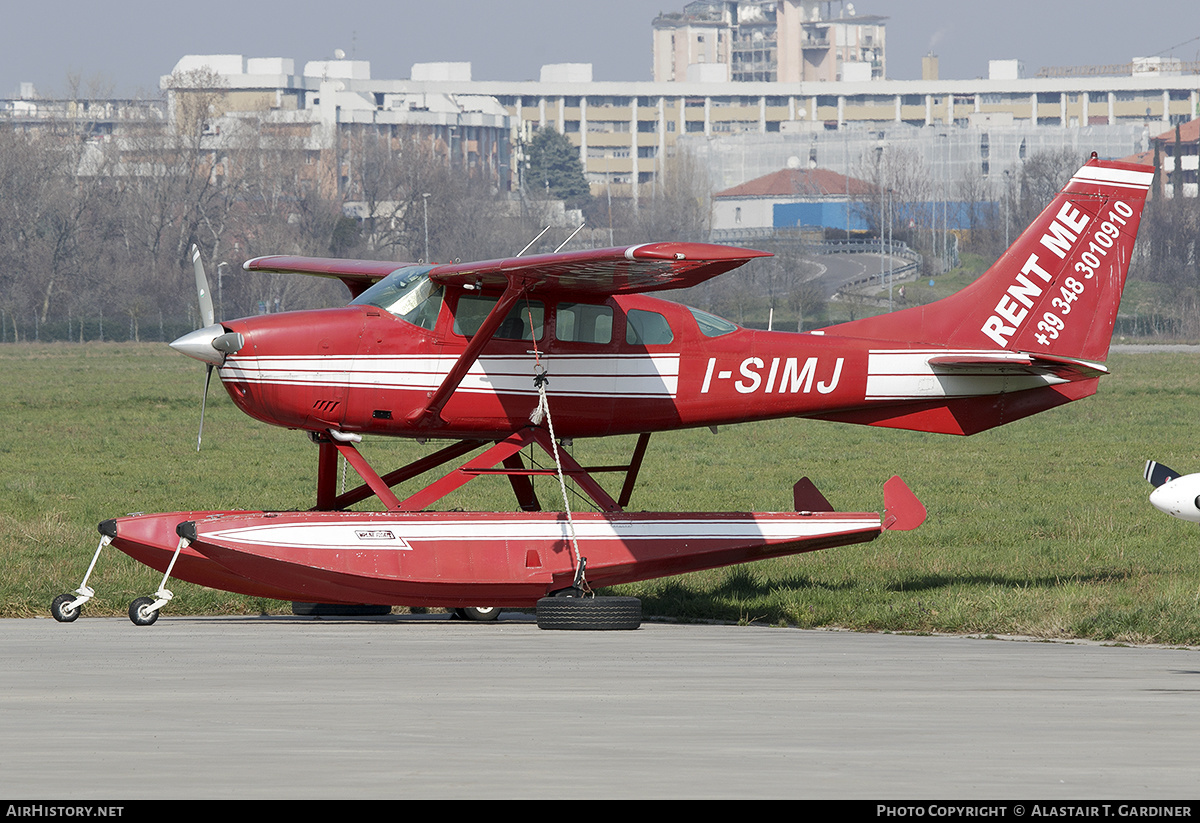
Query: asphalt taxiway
{"points": [[421, 706]]}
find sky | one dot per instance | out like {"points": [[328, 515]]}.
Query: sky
{"points": [[122, 47]]}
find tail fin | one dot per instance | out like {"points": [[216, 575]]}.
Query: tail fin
{"points": [[1055, 292]]}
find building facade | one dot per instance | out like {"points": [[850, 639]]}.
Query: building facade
{"points": [[775, 41], [625, 131], [1178, 155], [331, 105], [791, 197]]}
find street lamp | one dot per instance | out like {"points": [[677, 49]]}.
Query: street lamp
{"points": [[946, 204], [891, 262], [222, 267], [425, 208], [1006, 209]]}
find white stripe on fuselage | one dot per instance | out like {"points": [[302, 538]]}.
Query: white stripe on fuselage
{"points": [[578, 375], [903, 374]]}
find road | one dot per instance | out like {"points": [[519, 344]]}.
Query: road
{"points": [[419, 706], [841, 269]]}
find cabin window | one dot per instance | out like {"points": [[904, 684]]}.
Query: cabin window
{"points": [[583, 323], [524, 320], [711, 325], [407, 293], [647, 328]]}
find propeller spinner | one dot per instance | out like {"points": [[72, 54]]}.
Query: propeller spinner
{"points": [[210, 344]]}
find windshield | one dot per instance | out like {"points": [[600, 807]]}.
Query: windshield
{"points": [[407, 293]]}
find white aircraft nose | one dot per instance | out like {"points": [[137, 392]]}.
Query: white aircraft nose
{"points": [[210, 344], [1178, 498]]}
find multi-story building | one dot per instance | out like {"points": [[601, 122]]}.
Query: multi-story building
{"points": [[80, 118], [624, 131], [1178, 153], [782, 41], [323, 110]]}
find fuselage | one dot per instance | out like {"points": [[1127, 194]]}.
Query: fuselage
{"points": [[625, 364]]}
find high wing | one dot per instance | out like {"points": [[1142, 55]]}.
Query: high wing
{"points": [[596, 272], [358, 275], [627, 270], [622, 270]]}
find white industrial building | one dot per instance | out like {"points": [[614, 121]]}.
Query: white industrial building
{"points": [[624, 130]]}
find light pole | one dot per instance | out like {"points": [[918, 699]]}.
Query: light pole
{"points": [[425, 208], [889, 248], [1006, 209], [222, 267], [946, 197]]}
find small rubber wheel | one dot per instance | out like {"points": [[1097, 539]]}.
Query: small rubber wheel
{"points": [[61, 608], [478, 614], [140, 612], [596, 614]]}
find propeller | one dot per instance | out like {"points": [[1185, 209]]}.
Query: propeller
{"points": [[1158, 474], [210, 344], [206, 305]]}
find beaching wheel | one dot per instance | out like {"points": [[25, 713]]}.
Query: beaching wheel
{"points": [[478, 614], [140, 612], [62, 610]]}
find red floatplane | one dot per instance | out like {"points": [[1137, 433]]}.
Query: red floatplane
{"points": [[532, 352]]}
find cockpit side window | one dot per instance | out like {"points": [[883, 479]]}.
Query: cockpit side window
{"points": [[647, 328], [583, 323], [524, 320], [407, 293]]}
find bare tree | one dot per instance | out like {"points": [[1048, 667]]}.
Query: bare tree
{"points": [[984, 232], [901, 190], [54, 211], [1042, 176], [680, 206]]}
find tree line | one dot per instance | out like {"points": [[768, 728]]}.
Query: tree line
{"points": [[996, 211], [95, 234]]}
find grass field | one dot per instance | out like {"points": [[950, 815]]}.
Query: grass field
{"points": [[1039, 528]]}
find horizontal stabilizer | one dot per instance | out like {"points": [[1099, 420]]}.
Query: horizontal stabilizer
{"points": [[902, 510], [1004, 363]]}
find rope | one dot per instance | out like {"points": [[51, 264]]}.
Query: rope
{"points": [[540, 379]]}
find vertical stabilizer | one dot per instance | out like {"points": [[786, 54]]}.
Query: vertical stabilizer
{"points": [[1055, 291]]}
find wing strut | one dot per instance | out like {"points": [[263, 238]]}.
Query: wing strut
{"points": [[484, 463], [329, 500], [430, 415]]}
